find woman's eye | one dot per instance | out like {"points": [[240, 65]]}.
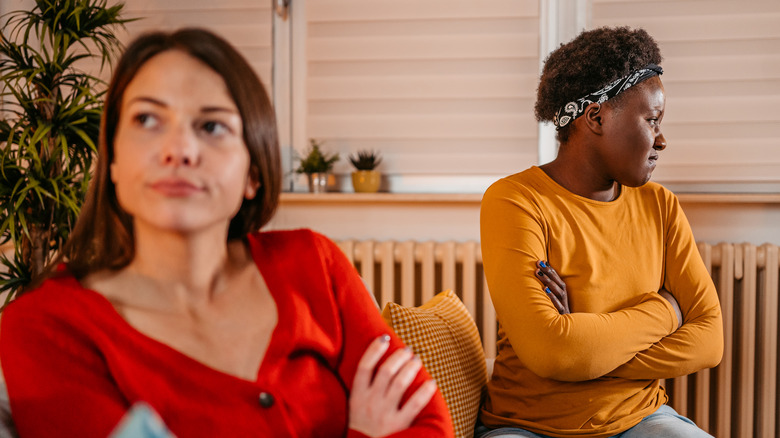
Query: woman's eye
{"points": [[215, 128], [146, 120]]}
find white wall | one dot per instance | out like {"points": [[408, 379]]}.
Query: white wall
{"points": [[722, 222], [432, 220], [14, 5]]}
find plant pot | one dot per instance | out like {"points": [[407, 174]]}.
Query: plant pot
{"points": [[318, 182], [366, 181]]}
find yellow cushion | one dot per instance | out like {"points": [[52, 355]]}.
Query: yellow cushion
{"points": [[443, 334]]}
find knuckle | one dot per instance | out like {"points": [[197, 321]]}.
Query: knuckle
{"points": [[385, 372], [398, 384], [365, 367]]}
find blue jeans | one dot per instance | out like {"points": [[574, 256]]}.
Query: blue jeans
{"points": [[665, 422]]}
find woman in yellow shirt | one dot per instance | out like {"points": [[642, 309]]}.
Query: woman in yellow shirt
{"points": [[582, 347]]}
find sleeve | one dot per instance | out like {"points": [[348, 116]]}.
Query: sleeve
{"points": [[573, 347], [49, 370], [698, 344], [362, 323]]}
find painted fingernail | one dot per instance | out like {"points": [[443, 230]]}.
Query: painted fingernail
{"points": [[543, 264], [547, 289], [540, 273], [384, 338]]}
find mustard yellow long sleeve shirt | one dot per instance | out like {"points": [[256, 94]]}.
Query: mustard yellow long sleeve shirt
{"points": [[594, 372]]}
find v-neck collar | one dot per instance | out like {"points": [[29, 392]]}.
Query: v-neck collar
{"points": [[277, 348]]}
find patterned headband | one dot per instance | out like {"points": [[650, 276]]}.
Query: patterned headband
{"points": [[576, 108]]}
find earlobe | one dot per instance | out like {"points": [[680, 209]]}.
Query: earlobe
{"points": [[593, 118], [253, 184], [251, 189]]}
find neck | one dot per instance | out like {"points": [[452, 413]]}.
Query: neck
{"points": [[193, 267], [573, 170]]}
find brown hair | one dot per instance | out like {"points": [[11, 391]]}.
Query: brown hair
{"points": [[103, 235]]}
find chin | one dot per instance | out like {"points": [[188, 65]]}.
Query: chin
{"points": [[636, 182]]}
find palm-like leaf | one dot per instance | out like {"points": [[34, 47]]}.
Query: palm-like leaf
{"points": [[49, 124]]}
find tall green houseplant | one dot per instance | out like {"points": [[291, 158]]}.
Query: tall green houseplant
{"points": [[49, 123]]}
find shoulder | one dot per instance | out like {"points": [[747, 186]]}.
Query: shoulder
{"points": [[59, 304], [657, 189], [655, 200], [654, 193], [305, 264], [527, 178], [530, 191], [523, 185], [300, 250], [297, 242], [59, 290]]}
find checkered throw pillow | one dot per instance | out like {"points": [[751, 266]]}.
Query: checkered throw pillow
{"points": [[443, 334]]}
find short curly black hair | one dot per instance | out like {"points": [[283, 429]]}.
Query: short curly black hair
{"points": [[589, 62]]}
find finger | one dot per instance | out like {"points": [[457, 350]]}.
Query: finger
{"points": [[401, 381], [547, 271], [388, 370], [417, 402], [562, 298], [555, 300], [368, 361], [552, 281], [558, 293], [549, 286], [545, 279]]}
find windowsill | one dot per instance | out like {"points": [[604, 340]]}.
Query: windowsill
{"points": [[476, 198], [729, 198], [381, 198]]}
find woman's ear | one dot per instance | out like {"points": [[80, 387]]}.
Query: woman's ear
{"points": [[253, 183], [593, 118]]}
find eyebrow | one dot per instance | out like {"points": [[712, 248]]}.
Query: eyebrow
{"points": [[206, 109], [218, 109], [151, 100]]}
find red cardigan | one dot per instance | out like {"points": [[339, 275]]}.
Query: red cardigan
{"points": [[74, 366]]}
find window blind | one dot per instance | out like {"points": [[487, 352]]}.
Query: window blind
{"points": [[246, 24], [722, 79], [444, 90]]}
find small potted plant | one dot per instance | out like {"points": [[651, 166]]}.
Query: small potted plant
{"points": [[366, 178], [317, 166]]}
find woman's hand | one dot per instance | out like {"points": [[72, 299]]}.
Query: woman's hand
{"points": [[675, 305], [554, 286], [374, 404]]}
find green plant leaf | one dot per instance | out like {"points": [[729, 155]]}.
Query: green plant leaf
{"points": [[49, 122], [40, 132], [83, 136]]}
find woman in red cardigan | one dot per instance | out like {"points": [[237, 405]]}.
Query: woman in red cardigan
{"points": [[166, 294]]}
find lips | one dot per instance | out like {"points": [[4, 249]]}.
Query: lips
{"points": [[176, 187]]}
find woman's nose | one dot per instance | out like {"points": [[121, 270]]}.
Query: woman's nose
{"points": [[660, 142], [181, 148]]}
